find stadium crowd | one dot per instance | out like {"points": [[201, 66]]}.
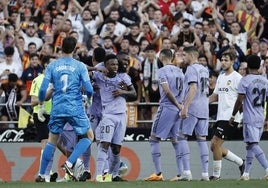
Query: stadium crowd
{"points": [[138, 31]]}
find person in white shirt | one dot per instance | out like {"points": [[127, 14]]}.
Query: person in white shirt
{"points": [[225, 93], [9, 65], [31, 36]]}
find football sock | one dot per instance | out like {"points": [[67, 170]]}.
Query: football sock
{"points": [[230, 156], [178, 158], [49, 167], [47, 155], [156, 155], [260, 156], [249, 159], [217, 168], [204, 154], [79, 149], [114, 164], [86, 157], [185, 150], [101, 159]]}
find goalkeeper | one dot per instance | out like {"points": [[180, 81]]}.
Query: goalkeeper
{"points": [[41, 126]]}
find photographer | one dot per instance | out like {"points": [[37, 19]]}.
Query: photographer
{"points": [[186, 34]]}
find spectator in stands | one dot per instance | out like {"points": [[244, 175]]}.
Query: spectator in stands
{"points": [[128, 15], [150, 79], [30, 35], [167, 16], [181, 7], [240, 56], [144, 43], [243, 68], [120, 29], [93, 43], [124, 45], [109, 29], [15, 96], [254, 48], [249, 16], [186, 34], [108, 45], [177, 23], [198, 27], [212, 36], [235, 36], [134, 58], [213, 108], [45, 26], [262, 54], [148, 31], [165, 44], [9, 38], [208, 51], [9, 65], [25, 55], [198, 7], [266, 66], [2, 34], [30, 73]]}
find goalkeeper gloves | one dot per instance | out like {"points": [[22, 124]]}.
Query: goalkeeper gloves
{"points": [[41, 112]]}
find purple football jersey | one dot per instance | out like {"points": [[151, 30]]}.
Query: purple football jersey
{"points": [[197, 73], [255, 89], [174, 77]]}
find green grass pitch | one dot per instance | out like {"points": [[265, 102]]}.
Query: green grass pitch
{"points": [[142, 184]]}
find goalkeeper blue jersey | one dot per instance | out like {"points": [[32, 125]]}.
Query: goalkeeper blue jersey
{"points": [[67, 76]]}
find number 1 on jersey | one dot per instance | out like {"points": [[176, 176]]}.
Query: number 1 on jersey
{"points": [[64, 79]]}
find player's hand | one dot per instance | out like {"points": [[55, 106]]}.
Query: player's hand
{"points": [[231, 121], [41, 112], [123, 85], [184, 113]]}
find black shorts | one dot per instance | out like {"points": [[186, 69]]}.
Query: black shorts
{"points": [[41, 127], [223, 130]]}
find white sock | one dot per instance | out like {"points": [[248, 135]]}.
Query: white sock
{"points": [[217, 168], [187, 172], [69, 164], [233, 158]]}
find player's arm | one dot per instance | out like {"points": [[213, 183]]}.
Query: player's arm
{"points": [[170, 95], [266, 115], [190, 97], [43, 91], [128, 91], [213, 98], [88, 89], [237, 107], [191, 94]]}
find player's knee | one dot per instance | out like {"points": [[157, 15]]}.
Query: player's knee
{"points": [[181, 137], [201, 138], [82, 136], [153, 139], [115, 149], [212, 146], [90, 134], [249, 146]]}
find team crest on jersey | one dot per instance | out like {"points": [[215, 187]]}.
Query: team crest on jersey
{"points": [[228, 82]]}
